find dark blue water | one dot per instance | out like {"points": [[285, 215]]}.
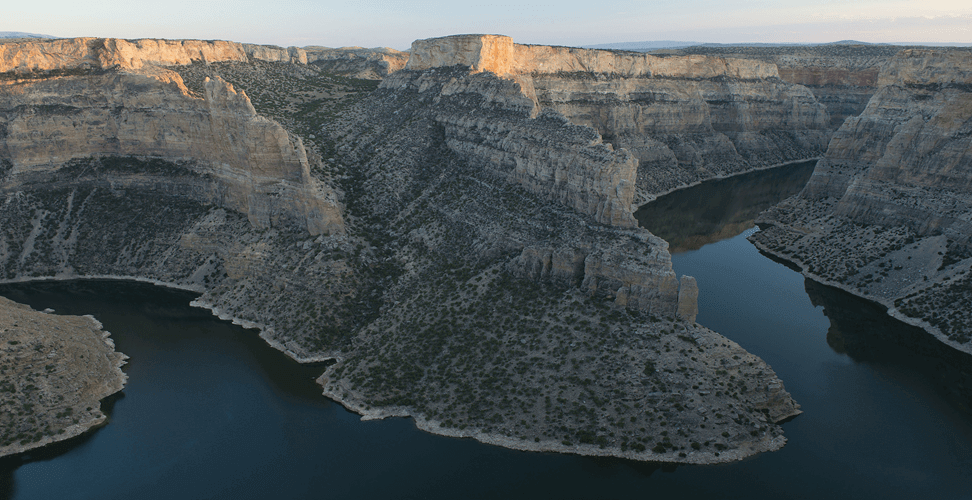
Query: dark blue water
{"points": [[210, 411]]}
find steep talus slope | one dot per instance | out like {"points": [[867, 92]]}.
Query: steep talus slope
{"points": [[888, 212], [483, 272]]}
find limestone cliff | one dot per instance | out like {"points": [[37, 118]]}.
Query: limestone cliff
{"points": [[251, 163], [894, 193], [19, 58], [685, 119], [842, 77], [66, 54], [370, 64]]}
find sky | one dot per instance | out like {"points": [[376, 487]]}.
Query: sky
{"points": [[396, 23]]}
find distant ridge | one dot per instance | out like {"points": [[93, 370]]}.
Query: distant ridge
{"points": [[648, 46], [643, 46], [20, 34]]}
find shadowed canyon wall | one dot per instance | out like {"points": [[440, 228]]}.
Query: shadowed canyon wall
{"points": [[887, 213]]}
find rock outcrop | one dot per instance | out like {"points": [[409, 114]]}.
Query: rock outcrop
{"points": [[57, 370], [272, 53], [887, 213], [73, 54], [20, 58]]}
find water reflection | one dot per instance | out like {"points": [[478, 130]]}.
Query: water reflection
{"points": [[863, 330], [713, 211]]}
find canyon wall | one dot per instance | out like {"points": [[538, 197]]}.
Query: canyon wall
{"points": [[19, 58], [842, 77], [685, 119], [358, 62], [252, 164], [887, 213], [498, 205]]}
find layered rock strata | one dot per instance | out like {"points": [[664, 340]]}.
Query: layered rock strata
{"points": [[887, 213], [358, 62], [685, 119], [842, 77], [487, 266], [238, 159], [23, 58], [55, 372]]}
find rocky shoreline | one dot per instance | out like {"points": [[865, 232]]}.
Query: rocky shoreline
{"points": [[434, 426], [57, 391], [892, 311]]}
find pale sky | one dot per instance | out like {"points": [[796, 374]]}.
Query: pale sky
{"points": [[396, 23]]}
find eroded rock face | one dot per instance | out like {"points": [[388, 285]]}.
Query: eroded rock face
{"points": [[688, 299], [888, 212], [19, 58], [272, 53], [490, 123], [370, 64], [685, 119], [103, 53], [842, 77], [253, 164]]}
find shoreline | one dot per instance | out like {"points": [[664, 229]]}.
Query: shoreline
{"points": [[888, 304], [264, 331], [113, 386], [652, 197], [434, 426], [551, 446]]}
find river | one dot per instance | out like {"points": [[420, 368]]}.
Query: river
{"points": [[210, 411]]}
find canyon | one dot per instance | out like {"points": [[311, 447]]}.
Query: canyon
{"points": [[893, 193], [460, 239]]}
